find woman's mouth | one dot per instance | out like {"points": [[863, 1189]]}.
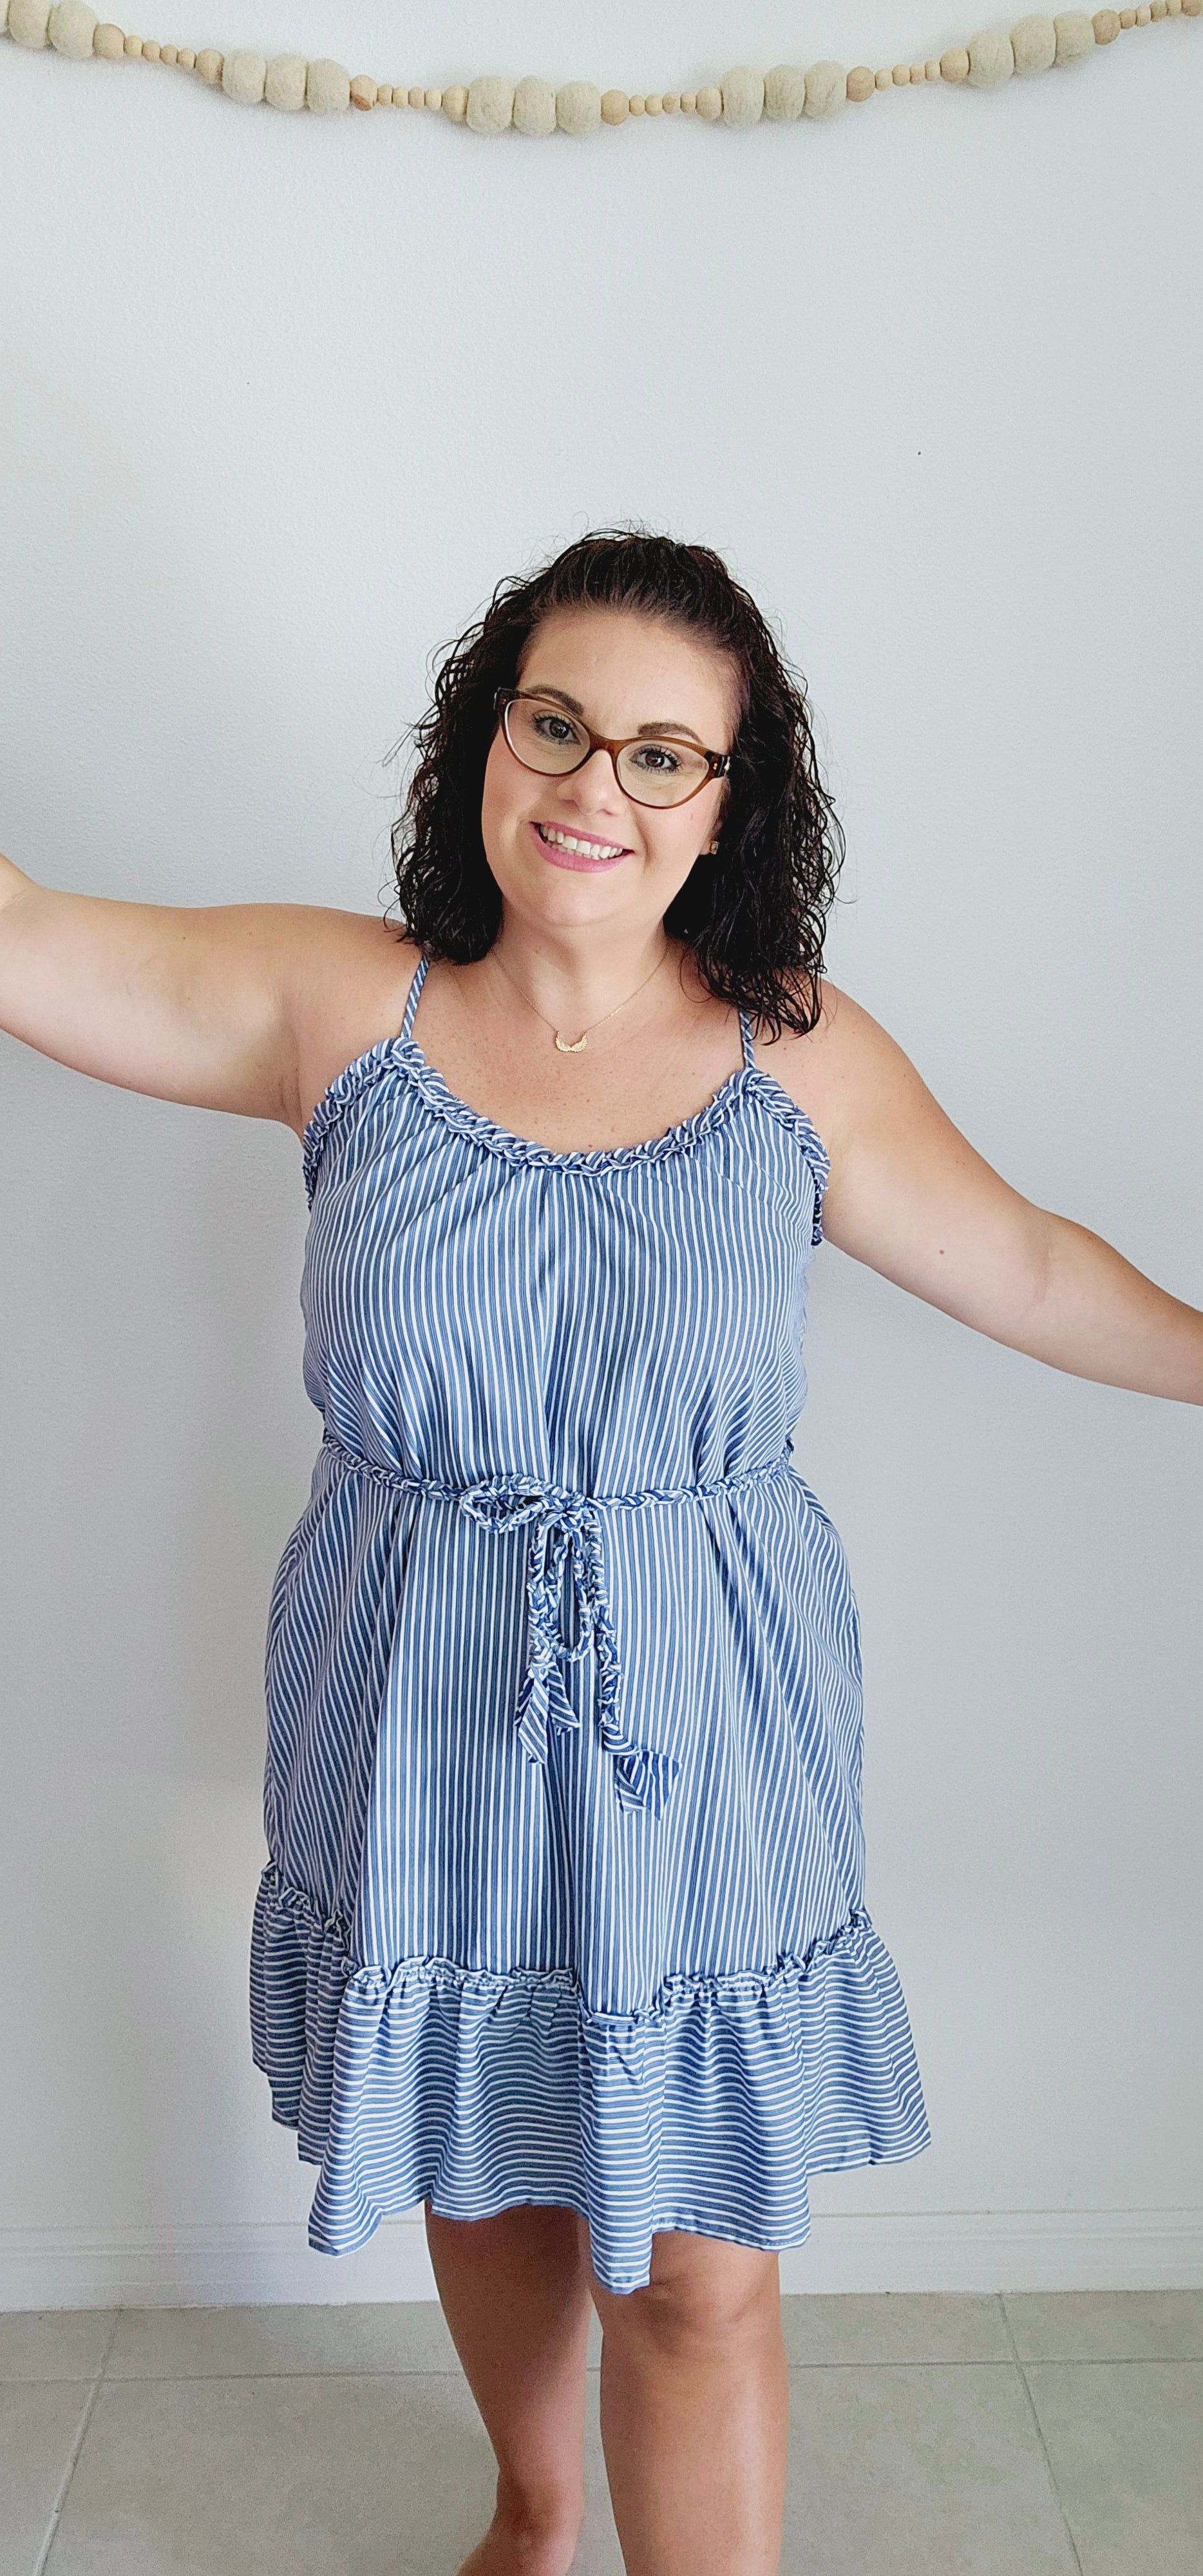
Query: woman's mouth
{"points": [[577, 849]]}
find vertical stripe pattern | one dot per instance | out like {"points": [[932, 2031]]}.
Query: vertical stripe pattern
{"points": [[564, 1900]]}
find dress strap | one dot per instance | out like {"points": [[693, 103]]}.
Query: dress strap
{"points": [[414, 990], [746, 1027]]}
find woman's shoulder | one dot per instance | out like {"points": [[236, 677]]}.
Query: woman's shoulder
{"points": [[839, 1068], [355, 974]]}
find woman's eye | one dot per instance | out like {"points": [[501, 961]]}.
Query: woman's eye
{"points": [[657, 758], [555, 729]]}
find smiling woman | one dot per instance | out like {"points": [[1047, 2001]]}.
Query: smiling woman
{"points": [[562, 1930], [751, 839]]}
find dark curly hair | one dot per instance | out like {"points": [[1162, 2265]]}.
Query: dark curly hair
{"points": [[754, 912]]}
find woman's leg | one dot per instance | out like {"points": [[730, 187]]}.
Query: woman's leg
{"points": [[695, 2410], [515, 2292]]}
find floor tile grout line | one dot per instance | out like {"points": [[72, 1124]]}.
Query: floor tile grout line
{"points": [[90, 2405], [453, 2370], [1054, 2489]]}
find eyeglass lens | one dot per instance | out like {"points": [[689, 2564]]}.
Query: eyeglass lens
{"points": [[652, 772]]}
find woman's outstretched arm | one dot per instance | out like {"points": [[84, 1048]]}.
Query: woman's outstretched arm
{"points": [[910, 1196], [212, 1005]]}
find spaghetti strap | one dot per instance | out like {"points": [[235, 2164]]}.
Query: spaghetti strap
{"points": [[414, 990], [746, 1027]]}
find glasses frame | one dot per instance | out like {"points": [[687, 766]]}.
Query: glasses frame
{"points": [[718, 762]]}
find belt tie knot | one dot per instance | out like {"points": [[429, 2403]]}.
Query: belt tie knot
{"points": [[565, 1527]]}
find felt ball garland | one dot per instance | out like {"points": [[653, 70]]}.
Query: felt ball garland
{"points": [[493, 104]]}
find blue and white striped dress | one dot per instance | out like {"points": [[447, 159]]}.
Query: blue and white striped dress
{"points": [[562, 1789]]}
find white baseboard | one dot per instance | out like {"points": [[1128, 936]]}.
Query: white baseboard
{"points": [[941, 2250]]}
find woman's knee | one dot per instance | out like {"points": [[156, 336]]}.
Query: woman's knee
{"points": [[702, 2290]]}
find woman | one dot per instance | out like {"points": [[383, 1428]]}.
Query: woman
{"points": [[562, 1929]]}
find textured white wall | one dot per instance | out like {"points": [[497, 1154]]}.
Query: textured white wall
{"points": [[279, 401]]}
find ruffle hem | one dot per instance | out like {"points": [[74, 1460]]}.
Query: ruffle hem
{"points": [[477, 2091]]}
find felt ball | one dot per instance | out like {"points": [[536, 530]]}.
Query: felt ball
{"points": [[614, 107], [363, 91], [28, 21], [1105, 24], [637, 103], [883, 80], [991, 60], [455, 103], [689, 102], [327, 87], [826, 89], [1034, 45], [1075, 35], [743, 96], [186, 58], [653, 104], [71, 28], [954, 65], [490, 104], [151, 49], [244, 78], [710, 103], [578, 107], [534, 110], [208, 66], [931, 70], [434, 99], [784, 93], [672, 97], [108, 42], [860, 83], [285, 83]]}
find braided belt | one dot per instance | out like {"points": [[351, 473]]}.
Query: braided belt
{"points": [[565, 1526]]}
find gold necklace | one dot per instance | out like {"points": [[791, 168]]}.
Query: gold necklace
{"points": [[577, 1043]]}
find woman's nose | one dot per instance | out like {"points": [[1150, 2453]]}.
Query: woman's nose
{"points": [[593, 779]]}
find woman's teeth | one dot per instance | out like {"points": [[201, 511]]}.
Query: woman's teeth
{"points": [[585, 849]]}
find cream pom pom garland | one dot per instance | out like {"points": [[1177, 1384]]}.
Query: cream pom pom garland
{"points": [[493, 104]]}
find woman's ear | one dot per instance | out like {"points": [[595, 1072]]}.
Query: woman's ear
{"points": [[712, 844]]}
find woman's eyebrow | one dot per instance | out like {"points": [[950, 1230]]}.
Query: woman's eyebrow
{"points": [[667, 724]]}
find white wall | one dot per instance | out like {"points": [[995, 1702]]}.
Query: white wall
{"points": [[279, 401]]}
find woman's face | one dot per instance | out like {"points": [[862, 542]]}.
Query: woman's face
{"points": [[622, 674]]}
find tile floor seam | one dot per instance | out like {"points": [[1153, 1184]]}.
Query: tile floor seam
{"points": [[90, 2405], [434, 2370], [1049, 2471]]}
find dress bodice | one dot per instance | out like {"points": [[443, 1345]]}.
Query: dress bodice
{"points": [[649, 1299]]}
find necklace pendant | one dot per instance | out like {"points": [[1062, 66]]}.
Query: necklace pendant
{"points": [[574, 1049]]}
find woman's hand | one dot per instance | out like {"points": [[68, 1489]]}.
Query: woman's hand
{"points": [[212, 1005], [909, 1196]]}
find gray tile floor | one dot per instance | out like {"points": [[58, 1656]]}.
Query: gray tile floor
{"points": [[1040, 2434]]}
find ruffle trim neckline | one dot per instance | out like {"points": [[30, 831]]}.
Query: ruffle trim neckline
{"points": [[405, 1056]]}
